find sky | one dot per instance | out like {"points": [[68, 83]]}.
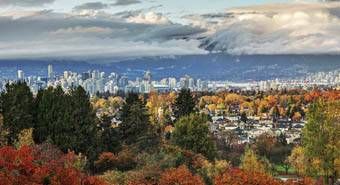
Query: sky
{"points": [[137, 28]]}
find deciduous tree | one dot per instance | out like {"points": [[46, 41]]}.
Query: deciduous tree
{"points": [[192, 133]]}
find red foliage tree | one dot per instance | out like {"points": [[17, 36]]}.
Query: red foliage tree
{"points": [[36, 166]]}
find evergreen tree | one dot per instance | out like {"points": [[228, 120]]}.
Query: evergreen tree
{"points": [[49, 116], [109, 136], [244, 117], [83, 132], [17, 109], [66, 120], [135, 124], [192, 133], [184, 104]]}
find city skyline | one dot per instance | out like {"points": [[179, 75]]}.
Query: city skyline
{"points": [[96, 81]]}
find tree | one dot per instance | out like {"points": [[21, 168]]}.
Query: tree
{"points": [[83, 118], [192, 133], [17, 109], [241, 177], [50, 114], [110, 139], [184, 104], [179, 176], [244, 117], [135, 120], [25, 138], [264, 144], [34, 165], [67, 121], [321, 136], [250, 162], [274, 113], [298, 160]]}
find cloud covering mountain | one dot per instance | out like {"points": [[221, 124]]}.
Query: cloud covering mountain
{"points": [[274, 29], [89, 32]]}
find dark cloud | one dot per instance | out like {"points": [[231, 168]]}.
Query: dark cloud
{"points": [[25, 3], [125, 2], [91, 6], [50, 34]]}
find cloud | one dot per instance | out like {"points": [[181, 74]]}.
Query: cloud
{"points": [[125, 2], [50, 34], [149, 18], [92, 6], [306, 28], [25, 3], [296, 28]]}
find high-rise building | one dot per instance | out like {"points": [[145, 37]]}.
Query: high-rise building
{"points": [[50, 72], [123, 81], [21, 75], [147, 76]]}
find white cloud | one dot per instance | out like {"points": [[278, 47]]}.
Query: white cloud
{"points": [[149, 18], [276, 29]]}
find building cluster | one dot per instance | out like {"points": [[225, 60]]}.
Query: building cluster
{"points": [[95, 81], [254, 127]]}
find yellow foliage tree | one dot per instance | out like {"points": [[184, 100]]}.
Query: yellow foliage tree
{"points": [[250, 162], [25, 138]]}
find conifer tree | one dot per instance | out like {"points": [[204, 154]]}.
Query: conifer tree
{"points": [[135, 120], [66, 120], [184, 104], [83, 120], [17, 109]]}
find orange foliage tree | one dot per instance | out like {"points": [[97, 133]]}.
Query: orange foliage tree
{"points": [[239, 177], [179, 176]]}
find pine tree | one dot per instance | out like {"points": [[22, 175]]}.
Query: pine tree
{"points": [[83, 132], [135, 124], [17, 109], [184, 104], [49, 115], [66, 120]]}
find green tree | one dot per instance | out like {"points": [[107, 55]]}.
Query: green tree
{"points": [[244, 117], [192, 133], [17, 109], [66, 120], [84, 130], [135, 120], [109, 136], [321, 136], [49, 116], [184, 104]]}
